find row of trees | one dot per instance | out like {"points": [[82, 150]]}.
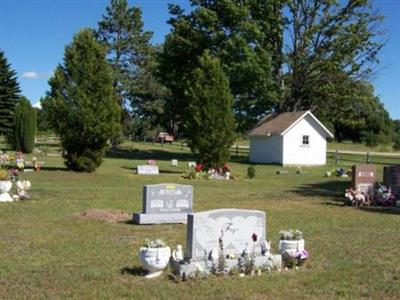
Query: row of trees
{"points": [[18, 118], [223, 66]]}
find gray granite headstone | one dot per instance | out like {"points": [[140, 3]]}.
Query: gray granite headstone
{"points": [[147, 170], [165, 203], [235, 226]]}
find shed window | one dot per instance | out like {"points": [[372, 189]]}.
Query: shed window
{"points": [[306, 140]]}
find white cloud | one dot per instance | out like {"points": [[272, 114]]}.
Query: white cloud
{"points": [[30, 75], [38, 105]]}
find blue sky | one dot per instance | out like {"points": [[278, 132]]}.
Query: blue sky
{"points": [[33, 34]]}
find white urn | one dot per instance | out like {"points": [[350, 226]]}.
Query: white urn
{"points": [[5, 187], [291, 246], [154, 260]]}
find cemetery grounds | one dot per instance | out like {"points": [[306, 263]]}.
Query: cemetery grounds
{"points": [[57, 245]]}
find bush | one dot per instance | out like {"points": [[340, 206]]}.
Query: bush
{"points": [[24, 126], [251, 172]]}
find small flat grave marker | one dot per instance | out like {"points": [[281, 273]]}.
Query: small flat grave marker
{"points": [[147, 170], [191, 164], [174, 162]]}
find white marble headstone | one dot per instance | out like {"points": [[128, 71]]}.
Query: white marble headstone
{"points": [[235, 226], [147, 170]]}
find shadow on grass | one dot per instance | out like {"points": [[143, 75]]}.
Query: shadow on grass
{"points": [[134, 271], [149, 154], [333, 190], [44, 168], [382, 210]]}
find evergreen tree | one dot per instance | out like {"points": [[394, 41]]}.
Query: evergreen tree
{"points": [[24, 126], [82, 105], [210, 127], [245, 35], [133, 60], [9, 94]]}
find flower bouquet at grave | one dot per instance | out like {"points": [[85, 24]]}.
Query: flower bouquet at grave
{"points": [[356, 198], [291, 246], [384, 196], [151, 162]]}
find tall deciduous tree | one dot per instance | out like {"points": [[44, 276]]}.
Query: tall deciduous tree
{"points": [[82, 105], [9, 94], [133, 60], [211, 127], [245, 35], [328, 40], [24, 126]]}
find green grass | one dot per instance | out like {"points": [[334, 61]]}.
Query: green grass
{"points": [[48, 252]]}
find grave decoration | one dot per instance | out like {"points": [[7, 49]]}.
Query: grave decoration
{"points": [[200, 171], [165, 203], [225, 241], [365, 189], [291, 247], [155, 256]]}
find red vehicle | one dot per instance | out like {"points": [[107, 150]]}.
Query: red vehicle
{"points": [[165, 137]]}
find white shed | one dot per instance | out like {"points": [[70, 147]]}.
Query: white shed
{"points": [[290, 138]]}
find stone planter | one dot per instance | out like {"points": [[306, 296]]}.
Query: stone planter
{"points": [[291, 246], [5, 187], [155, 260]]}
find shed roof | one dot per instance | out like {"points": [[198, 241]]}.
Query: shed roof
{"points": [[281, 123]]}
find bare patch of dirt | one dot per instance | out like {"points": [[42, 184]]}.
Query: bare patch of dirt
{"points": [[108, 215]]}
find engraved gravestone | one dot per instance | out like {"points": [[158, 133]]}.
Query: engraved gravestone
{"points": [[147, 170], [391, 178], [363, 178], [165, 203], [235, 226]]}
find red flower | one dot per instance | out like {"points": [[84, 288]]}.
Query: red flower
{"points": [[254, 237], [198, 168], [226, 168]]}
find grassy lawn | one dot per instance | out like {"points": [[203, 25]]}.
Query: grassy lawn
{"points": [[48, 251]]}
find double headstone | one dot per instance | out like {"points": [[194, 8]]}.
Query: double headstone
{"points": [[165, 203], [364, 178]]}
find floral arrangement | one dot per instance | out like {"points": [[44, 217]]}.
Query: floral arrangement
{"points": [[4, 173], [295, 260], [357, 198], [151, 162], [157, 243], [384, 196], [291, 235]]}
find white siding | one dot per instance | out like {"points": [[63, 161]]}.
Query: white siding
{"points": [[295, 153], [266, 149]]}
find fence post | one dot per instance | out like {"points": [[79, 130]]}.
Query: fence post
{"points": [[368, 158], [237, 150], [336, 157], [182, 145], [144, 139]]}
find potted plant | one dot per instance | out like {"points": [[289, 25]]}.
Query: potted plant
{"points": [[155, 256], [5, 185], [291, 241]]}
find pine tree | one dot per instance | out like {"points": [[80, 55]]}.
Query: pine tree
{"points": [[9, 94], [133, 61], [82, 105], [210, 125], [24, 126]]}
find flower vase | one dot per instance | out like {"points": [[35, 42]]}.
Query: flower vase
{"points": [[5, 187], [155, 260], [291, 246]]}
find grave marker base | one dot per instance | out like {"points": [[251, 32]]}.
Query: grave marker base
{"points": [[192, 268], [141, 218]]}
